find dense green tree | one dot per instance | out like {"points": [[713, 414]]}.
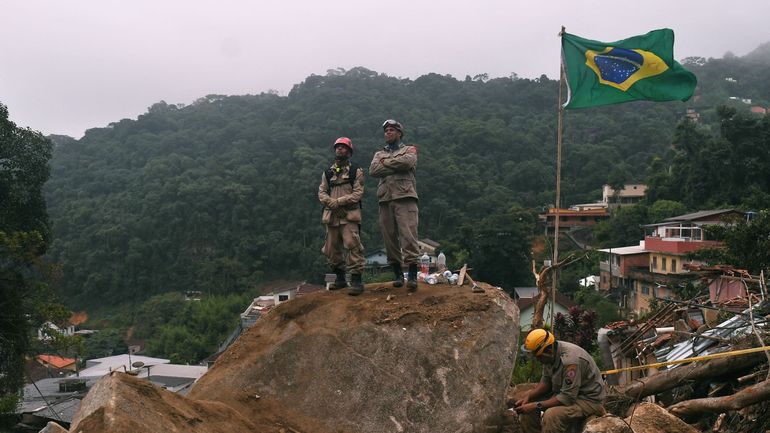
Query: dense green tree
{"points": [[497, 247], [194, 329], [662, 209], [25, 301], [220, 195], [624, 228], [713, 170], [747, 244], [106, 342]]}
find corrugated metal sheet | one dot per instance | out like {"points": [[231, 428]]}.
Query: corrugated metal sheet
{"points": [[730, 328]]}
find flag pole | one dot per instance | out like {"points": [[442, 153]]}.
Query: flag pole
{"points": [[555, 270]]}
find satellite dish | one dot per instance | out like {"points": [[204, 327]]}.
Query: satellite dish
{"points": [[138, 364]]}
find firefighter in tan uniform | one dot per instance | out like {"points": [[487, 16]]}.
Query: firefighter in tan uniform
{"points": [[340, 192], [571, 379], [397, 194]]}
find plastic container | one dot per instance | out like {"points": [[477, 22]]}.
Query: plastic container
{"points": [[441, 261], [424, 263]]}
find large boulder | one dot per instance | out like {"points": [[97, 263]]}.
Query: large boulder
{"points": [[438, 360]]}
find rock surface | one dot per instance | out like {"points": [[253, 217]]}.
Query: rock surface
{"points": [[52, 427], [438, 360], [651, 418], [120, 403], [607, 424]]}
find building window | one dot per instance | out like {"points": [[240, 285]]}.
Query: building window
{"points": [[282, 298], [645, 290], [663, 263], [654, 262], [673, 265], [583, 218]]}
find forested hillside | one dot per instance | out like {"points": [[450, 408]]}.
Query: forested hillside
{"points": [[221, 194]]}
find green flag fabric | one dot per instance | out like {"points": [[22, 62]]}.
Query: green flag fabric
{"points": [[637, 68]]}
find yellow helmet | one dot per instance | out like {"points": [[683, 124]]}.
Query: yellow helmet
{"points": [[537, 341]]}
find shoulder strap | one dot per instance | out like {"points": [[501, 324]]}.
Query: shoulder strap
{"points": [[353, 172]]}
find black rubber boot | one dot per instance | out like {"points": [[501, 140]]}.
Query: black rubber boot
{"points": [[411, 279], [339, 282], [398, 281], [356, 287]]}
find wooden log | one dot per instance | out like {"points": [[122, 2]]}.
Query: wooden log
{"points": [[668, 379], [745, 397]]}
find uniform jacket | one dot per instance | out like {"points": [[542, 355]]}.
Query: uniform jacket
{"points": [[573, 375], [396, 170], [347, 196]]}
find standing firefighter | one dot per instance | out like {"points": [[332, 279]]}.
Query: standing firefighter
{"points": [[341, 189], [397, 193], [570, 389]]}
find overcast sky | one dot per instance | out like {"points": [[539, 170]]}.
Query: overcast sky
{"points": [[66, 66]]}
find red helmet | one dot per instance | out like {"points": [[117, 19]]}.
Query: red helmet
{"points": [[345, 141]]}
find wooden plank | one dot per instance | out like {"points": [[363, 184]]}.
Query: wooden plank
{"points": [[461, 278]]}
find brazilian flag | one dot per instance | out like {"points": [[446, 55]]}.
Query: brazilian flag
{"points": [[637, 68]]}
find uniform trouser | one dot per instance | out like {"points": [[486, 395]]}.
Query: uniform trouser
{"points": [[342, 239], [398, 223], [559, 418]]}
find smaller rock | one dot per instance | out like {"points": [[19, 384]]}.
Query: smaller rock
{"points": [[52, 427], [607, 424], [651, 418]]}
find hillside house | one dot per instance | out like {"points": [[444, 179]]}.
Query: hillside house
{"points": [[572, 219], [376, 258], [45, 330], [427, 246], [659, 263], [57, 362], [631, 193]]}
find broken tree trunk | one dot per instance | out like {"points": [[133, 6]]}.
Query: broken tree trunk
{"points": [[544, 291], [745, 397], [668, 379]]}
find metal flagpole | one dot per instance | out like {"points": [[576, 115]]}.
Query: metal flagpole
{"points": [[554, 270]]}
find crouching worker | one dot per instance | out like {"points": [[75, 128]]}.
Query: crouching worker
{"points": [[570, 389], [340, 192]]}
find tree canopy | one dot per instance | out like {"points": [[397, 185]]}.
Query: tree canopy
{"points": [[25, 300]]}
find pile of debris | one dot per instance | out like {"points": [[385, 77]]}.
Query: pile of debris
{"points": [[705, 362]]}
